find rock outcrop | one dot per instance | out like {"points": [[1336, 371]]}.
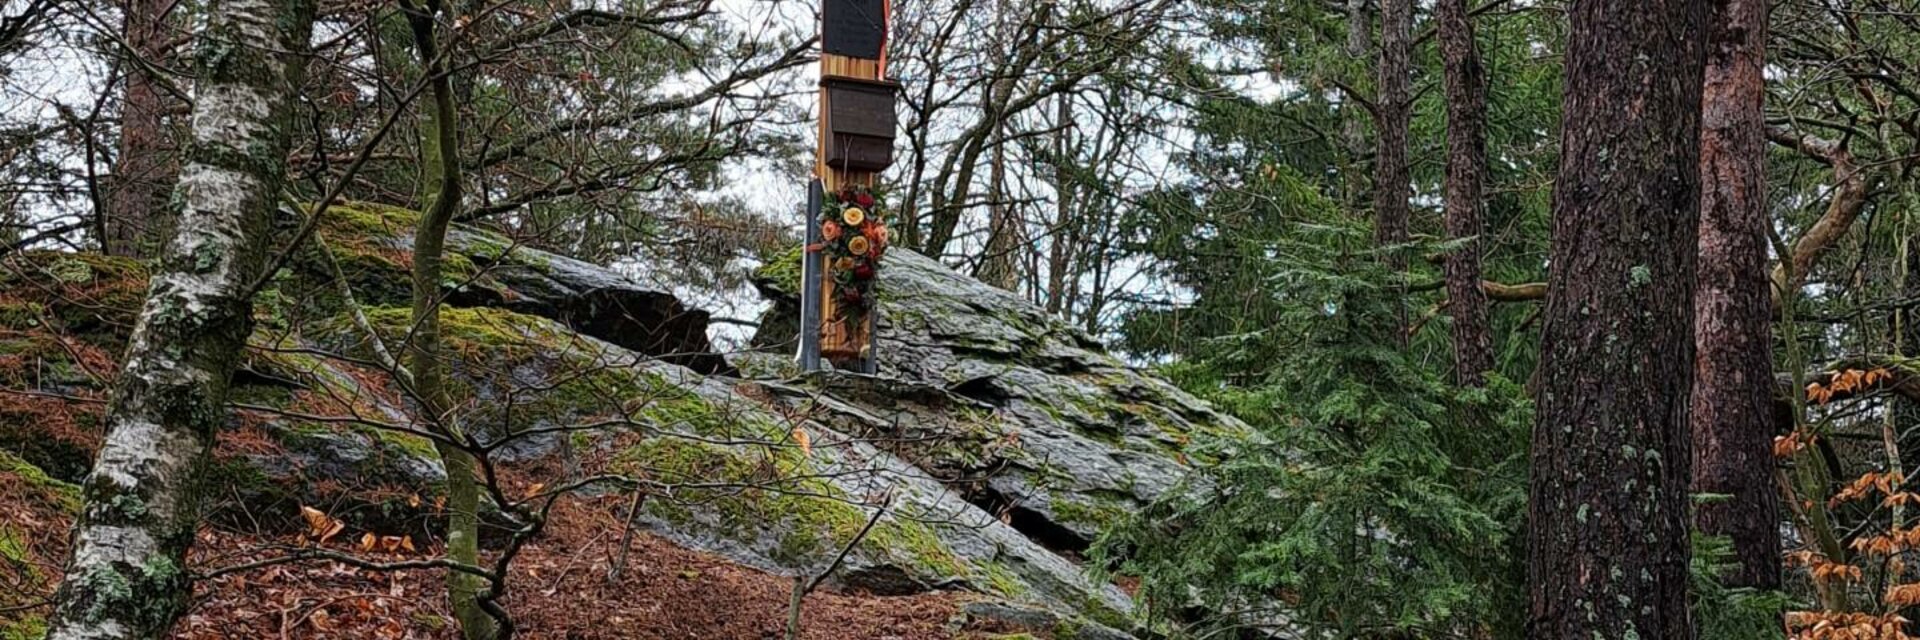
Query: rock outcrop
{"points": [[1097, 438], [992, 446]]}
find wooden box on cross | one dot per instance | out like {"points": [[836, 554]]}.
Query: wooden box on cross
{"points": [[860, 123]]}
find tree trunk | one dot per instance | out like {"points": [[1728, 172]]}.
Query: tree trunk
{"points": [[1357, 40], [1466, 88], [1608, 544], [441, 197], [1733, 367], [1391, 182], [1003, 225], [139, 219], [1065, 243], [127, 577], [1906, 335]]}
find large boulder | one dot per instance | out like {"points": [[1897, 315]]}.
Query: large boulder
{"points": [[373, 245], [1096, 437], [994, 443]]}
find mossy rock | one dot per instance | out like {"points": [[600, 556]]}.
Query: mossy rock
{"points": [[355, 219], [45, 504], [46, 490], [55, 436], [776, 500], [88, 296]]}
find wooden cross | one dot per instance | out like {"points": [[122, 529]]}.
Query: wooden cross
{"points": [[856, 132]]}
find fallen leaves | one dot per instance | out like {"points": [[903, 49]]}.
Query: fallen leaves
{"points": [[390, 544], [320, 526]]}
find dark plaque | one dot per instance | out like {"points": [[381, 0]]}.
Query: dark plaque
{"points": [[860, 123], [855, 28]]}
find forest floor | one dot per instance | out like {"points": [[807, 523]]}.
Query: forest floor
{"points": [[559, 589]]}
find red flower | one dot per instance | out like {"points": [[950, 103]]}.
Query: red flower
{"points": [[865, 199], [851, 295], [863, 271]]}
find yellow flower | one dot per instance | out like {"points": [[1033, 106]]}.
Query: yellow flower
{"points": [[853, 216], [858, 245], [843, 264]]}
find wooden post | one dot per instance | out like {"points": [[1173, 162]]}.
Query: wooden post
{"points": [[853, 51]]}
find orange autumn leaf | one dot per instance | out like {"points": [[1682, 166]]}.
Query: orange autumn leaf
{"points": [[805, 441], [320, 526]]}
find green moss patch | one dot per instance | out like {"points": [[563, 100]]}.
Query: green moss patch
{"points": [[767, 493], [42, 506], [50, 492], [1099, 514], [349, 220], [87, 296]]}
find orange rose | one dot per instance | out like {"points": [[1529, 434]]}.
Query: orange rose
{"points": [[830, 230], [853, 216], [877, 233], [859, 245], [843, 264]]}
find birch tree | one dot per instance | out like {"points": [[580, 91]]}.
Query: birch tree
{"points": [[126, 577]]}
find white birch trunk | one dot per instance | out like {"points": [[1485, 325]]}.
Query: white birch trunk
{"points": [[126, 578]]}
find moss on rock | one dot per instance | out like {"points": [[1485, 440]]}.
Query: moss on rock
{"points": [[1097, 514], [87, 296], [771, 492], [52, 492], [367, 220]]}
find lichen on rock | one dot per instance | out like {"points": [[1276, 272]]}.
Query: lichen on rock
{"points": [[994, 444]]}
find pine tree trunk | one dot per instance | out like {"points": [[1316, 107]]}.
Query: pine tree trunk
{"points": [[1733, 369], [1466, 88], [139, 219], [441, 197], [127, 577], [1392, 185], [1608, 546]]}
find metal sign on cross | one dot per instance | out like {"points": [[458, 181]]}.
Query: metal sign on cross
{"points": [[856, 134]]}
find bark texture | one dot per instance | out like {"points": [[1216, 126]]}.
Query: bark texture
{"points": [[1392, 184], [138, 219], [126, 578], [1608, 542], [441, 188], [1733, 367], [1466, 89]]}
